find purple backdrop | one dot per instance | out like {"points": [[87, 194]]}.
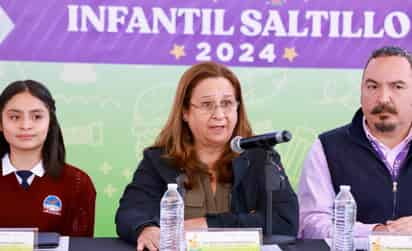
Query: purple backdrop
{"points": [[281, 33]]}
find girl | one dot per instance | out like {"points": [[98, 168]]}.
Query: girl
{"points": [[37, 187]]}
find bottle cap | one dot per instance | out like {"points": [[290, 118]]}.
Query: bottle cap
{"points": [[344, 187], [172, 186]]}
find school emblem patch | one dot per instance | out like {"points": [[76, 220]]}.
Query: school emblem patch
{"points": [[52, 205]]}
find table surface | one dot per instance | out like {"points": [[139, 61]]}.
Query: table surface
{"points": [[114, 244]]}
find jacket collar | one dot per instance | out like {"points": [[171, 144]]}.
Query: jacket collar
{"points": [[356, 132]]}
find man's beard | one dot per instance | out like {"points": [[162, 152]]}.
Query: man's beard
{"points": [[384, 126]]}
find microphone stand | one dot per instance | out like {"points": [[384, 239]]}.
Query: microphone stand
{"points": [[273, 182]]}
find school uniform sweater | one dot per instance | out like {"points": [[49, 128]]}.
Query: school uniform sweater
{"points": [[65, 205]]}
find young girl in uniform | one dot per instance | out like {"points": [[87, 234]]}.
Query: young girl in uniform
{"points": [[37, 187]]}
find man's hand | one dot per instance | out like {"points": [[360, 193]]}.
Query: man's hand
{"points": [[401, 225], [195, 223], [149, 238], [380, 228]]}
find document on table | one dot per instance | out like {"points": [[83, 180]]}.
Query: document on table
{"points": [[273, 247], [63, 245]]}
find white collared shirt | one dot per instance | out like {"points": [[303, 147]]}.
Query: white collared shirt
{"points": [[8, 168]]}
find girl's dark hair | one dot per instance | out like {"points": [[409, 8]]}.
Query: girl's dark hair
{"points": [[53, 152]]}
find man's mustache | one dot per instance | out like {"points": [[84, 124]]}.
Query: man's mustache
{"points": [[384, 108]]}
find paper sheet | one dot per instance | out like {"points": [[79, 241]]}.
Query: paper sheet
{"points": [[271, 248], [63, 245]]}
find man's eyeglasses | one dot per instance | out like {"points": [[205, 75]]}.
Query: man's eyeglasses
{"points": [[209, 107]]}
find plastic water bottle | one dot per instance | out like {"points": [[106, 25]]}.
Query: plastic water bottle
{"points": [[172, 220], [344, 218]]}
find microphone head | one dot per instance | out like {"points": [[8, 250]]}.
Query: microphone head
{"points": [[286, 136], [235, 144]]}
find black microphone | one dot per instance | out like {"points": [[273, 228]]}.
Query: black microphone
{"points": [[239, 144]]}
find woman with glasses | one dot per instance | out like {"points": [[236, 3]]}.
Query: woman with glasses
{"points": [[221, 188]]}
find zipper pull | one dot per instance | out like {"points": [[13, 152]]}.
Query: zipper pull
{"points": [[395, 186]]}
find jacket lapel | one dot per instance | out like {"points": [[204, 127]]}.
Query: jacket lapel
{"points": [[240, 167], [168, 171]]}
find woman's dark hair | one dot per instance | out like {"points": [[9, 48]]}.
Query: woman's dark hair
{"points": [[53, 152]]}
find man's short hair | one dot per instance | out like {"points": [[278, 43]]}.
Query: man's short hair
{"points": [[388, 51]]}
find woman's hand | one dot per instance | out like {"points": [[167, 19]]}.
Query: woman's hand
{"points": [[149, 238]]}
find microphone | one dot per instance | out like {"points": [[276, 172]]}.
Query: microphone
{"points": [[239, 144]]}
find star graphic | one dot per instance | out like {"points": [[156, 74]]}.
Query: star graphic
{"points": [[105, 168], [178, 51], [127, 173], [290, 54], [109, 190]]}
